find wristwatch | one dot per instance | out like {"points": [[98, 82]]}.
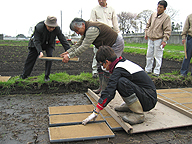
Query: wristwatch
{"points": [[68, 56]]}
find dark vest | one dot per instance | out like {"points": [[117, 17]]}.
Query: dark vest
{"points": [[107, 35]]}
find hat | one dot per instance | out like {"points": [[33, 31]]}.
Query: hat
{"points": [[51, 21]]}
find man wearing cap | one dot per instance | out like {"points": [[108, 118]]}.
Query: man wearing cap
{"points": [[43, 39]]}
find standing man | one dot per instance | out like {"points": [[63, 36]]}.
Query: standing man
{"points": [[133, 84], [43, 39], [158, 30], [187, 33], [104, 14]]}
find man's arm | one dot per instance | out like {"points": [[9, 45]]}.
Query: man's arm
{"points": [[166, 29], [185, 28], [63, 40], [91, 34], [115, 22]]}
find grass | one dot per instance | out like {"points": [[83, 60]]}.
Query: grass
{"points": [[171, 51], [174, 52]]}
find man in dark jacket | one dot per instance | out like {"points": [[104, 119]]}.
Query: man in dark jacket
{"points": [[133, 84], [43, 39]]}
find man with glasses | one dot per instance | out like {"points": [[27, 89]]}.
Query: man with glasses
{"points": [[43, 39]]}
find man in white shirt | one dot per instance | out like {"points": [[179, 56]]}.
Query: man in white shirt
{"points": [[105, 14]]}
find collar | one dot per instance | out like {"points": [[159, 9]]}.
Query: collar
{"points": [[112, 65]]}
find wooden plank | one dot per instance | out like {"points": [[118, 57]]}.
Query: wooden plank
{"points": [[75, 59], [179, 109], [70, 109], [70, 119], [80, 132], [4, 78], [127, 127]]}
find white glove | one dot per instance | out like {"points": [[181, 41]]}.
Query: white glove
{"points": [[93, 116]]}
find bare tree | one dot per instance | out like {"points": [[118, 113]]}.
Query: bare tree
{"points": [[144, 16], [126, 21], [172, 12]]}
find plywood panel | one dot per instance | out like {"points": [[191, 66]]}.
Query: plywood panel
{"points": [[70, 109], [4, 78], [161, 117], [70, 119], [80, 132]]}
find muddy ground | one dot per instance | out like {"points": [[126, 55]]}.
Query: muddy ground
{"points": [[24, 117]]}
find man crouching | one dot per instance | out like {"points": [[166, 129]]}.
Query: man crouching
{"points": [[131, 81]]}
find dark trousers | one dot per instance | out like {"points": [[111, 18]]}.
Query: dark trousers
{"points": [[186, 62], [31, 59], [147, 97]]}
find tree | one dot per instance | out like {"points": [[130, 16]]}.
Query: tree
{"points": [[171, 12], [144, 16], [126, 20]]}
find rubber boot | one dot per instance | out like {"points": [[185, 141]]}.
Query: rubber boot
{"points": [[97, 91], [123, 108], [134, 105]]}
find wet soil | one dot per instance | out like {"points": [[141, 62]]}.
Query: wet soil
{"points": [[24, 117]]}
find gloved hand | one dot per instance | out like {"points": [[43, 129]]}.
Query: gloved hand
{"points": [[93, 116]]}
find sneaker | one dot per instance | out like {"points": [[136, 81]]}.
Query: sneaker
{"points": [[154, 74], [47, 79], [95, 75]]}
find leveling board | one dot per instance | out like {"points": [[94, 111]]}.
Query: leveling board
{"points": [[80, 132], [76, 59], [4, 78], [65, 124]]}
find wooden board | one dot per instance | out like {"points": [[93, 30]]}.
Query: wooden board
{"points": [[80, 132], [75, 59], [4, 78], [70, 119], [70, 109], [161, 117]]}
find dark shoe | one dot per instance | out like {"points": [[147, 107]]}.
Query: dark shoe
{"points": [[95, 75], [47, 79], [148, 72], [22, 77], [154, 74], [183, 75]]}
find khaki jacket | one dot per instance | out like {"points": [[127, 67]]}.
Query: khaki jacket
{"points": [[187, 29], [158, 27]]}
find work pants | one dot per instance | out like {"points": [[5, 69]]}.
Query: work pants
{"points": [[94, 63], [31, 59], [186, 62], [154, 51], [147, 97]]}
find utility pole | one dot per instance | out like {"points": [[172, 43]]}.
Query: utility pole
{"points": [[61, 20]]}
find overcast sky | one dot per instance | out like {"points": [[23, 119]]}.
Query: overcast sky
{"points": [[17, 16]]}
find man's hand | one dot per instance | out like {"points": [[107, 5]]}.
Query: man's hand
{"points": [[65, 58], [146, 37], [93, 116], [163, 44], [183, 41], [62, 55], [41, 55]]}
